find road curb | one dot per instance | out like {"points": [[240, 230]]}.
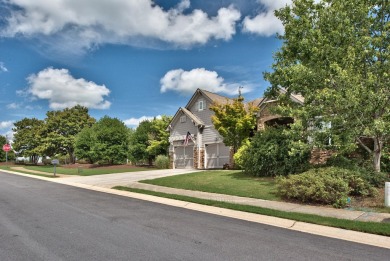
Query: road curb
{"points": [[338, 233]]}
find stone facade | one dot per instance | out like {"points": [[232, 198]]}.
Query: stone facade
{"points": [[319, 156], [171, 159], [265, 115], [196, 157], [202, 159]]}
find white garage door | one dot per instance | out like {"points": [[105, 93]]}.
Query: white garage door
{"points": [[217, 155], [184, 157]]}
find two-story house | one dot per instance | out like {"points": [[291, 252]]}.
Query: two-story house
{"points": [[205, 148]]}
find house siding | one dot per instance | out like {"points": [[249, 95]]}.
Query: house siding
{"points": [[180, 128], [211, 135], [205, 114]]}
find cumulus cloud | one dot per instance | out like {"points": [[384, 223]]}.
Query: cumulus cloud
{"points": [[6, 124], [137, 121], [266, 23], [3, 68], [121, 21], [186, 82], [62, 90]]}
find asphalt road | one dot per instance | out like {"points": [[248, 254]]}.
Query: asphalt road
{"points": [[40, 220]]}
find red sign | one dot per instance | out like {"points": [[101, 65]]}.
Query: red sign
{"points": [[6, 147]]}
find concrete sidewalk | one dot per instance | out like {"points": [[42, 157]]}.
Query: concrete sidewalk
{"points": [[277, 205]]}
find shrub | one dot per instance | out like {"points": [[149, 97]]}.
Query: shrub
{"points": [[270, 154], [360, 168], [241, 155], [313, 187], [328, 185], [46, 161], [162, 162]]}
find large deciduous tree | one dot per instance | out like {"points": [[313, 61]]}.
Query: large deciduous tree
{"points": [[84, 145], [234, 120], [27, 139], [111, 140], [336, 53], [61, 128], [106, 141]]}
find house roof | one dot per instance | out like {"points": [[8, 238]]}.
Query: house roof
{"points": [[216, 97], [212, 97], [197, 122]]}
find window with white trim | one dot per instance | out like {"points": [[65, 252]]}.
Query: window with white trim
{"points": [[183, 119], [201, 105]]}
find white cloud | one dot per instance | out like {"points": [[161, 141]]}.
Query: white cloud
{"points": [[6, 124], [13, 106], [89, 23], [63, 91], [266, 23], [186, 82], [3, 68], [137, 121]]}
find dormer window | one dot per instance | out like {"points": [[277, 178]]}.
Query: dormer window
{"points": [[183, 119], [201, 105]]}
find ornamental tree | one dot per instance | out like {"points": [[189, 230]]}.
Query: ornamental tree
{"points": [[234, 120], [336, 54]]}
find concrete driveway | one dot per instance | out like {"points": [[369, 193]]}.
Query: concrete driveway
{"points": [[126, 178]]}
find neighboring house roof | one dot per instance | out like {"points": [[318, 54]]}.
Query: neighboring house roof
{"points": [[197, 122], [257, 101], [294, 97]]}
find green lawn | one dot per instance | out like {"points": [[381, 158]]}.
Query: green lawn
{"points": [[367, 227], [85, 172], [223, 182]]}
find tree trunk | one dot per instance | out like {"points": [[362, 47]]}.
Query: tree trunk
{"points": [[377, 154]]}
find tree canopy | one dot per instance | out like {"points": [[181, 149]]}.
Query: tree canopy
{"points": [[106, 141], [3, 156], [149, 140], [27, 138], [60, 130], [336, 54]]}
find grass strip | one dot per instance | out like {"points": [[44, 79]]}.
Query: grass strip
{"points": [[29, 173], [367, 227], [84, 171]]}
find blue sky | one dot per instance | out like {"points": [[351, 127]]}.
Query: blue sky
{"points": [[130, 59]]}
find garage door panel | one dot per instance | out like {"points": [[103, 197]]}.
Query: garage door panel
{"points": [[184, 157], [224, 151], [217, 155], [211, 163]]}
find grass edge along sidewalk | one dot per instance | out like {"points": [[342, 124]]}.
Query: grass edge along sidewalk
{"points": [[360, 226], [48, 175], [83, 171]]}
